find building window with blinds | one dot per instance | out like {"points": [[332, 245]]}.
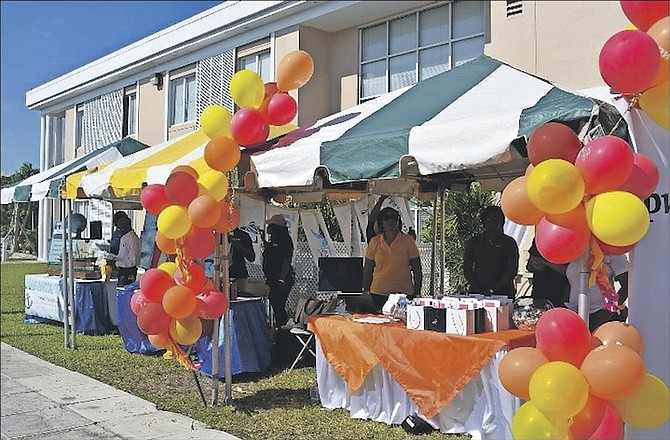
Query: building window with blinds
{"points": [[256, 57], [182, 99], [129, 112], [79, 126], [399, 52]]}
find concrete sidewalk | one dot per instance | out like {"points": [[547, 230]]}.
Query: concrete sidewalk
{"points": [[44, 401]]}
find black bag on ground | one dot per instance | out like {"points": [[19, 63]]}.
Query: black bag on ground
{"points": [[312, 306], [413, 424]]}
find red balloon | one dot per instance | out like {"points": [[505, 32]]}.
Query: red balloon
{"points": [[154, 198], [560, 244], [270, 89], [248, 126], [629, 61], [199, 242], [137, 301], [152, 319], [643, 14], [608, 249], [562, 335], [643, 179], [181, 187], [196, 277], [611, 426], [589, 418], [154, 283], [212, 304], [605, 164], [282, 108], [553, 141]]}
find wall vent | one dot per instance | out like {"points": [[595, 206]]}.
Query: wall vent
{"points": [[514, 8]]}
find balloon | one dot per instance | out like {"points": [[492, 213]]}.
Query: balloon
{"points": [[199, 242], [281, 109], [562, 335], [643, 178], [648, 406], [212, 304], [194, 280], [517, 367], [160, 341], [553, 141], [614, 250], [605, 164], [179, 302], [611, 425], [617, 332], [629, 61], [659, 32], [270, 89], [247, 89], [137, 301], [560, 244], [152, 319], [154, 199], [529, 168], [517, 206], [585, 423], [574, 219], [222, 153], [167, 245], [559, 390], [204, 211], [185, 169], [209, 285], [644, 13], [169, 266], [595, 342], [230, 218], [185, 331], [215, 121], [528, 423], [181, 188], [154, 283], [294, 70], [173, 222], [248, 127], [654, 102], [216, 184], [617, 218], [555, 186], [614, 372]]}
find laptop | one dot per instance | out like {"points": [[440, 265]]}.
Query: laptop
{"points": [[343, 276]]}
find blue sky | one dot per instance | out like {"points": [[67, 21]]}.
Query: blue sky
{"points": [[44, 40]]}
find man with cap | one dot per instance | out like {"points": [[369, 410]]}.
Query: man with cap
{"points": [[277, 257]]}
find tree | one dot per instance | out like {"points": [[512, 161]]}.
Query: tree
{"points": [[16, 217]]}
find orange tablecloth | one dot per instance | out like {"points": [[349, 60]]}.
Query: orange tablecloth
{"points": [[431, 367]]}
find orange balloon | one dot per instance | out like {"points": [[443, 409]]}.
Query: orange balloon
{"points": [[204, 211], [614, 372], [230, 218], [222, 153], [179, 302], [294, 70], [660, 33], [574, 219], [186, 331], [167, 245], [517, 367], [159, 341], [517, 206], [529, 168], [585, 423], [616, 332], [185, 169]]}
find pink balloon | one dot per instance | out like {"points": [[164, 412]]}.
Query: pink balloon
{"points": [[282, 108], [212, 304], [137, 301], [629, 61], [248, 127], [181, 187], [643, 14], [154, 283], [196, 279], [605, 164], [560, 244], [270, 89], [553, 141], [562, 335], [643, 178], [199, 242], [152, 319], [154, 198], [611, 425]]}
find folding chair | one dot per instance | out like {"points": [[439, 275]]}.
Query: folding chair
{"points": [[305, 337]]}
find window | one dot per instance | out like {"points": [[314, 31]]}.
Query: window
{"points": [[129, 111], [182, 99], [399, 52], [256, 57], [79, 126]]}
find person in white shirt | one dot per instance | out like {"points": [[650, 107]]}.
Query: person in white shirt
{"points": [[128, 257], [617, 268]]}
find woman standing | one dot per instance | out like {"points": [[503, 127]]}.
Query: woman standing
{"points": [[277, 257]]}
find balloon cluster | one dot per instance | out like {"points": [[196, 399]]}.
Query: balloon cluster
{"points": [[576, 195], [580, 385], [176, 303], [634, 62]]}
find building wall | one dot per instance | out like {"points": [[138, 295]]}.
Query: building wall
{"points": [[151, 110], [315, 96], [344, 69]]}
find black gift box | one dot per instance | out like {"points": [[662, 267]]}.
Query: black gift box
{"points": [[435, 319]]}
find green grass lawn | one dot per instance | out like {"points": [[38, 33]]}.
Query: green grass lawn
{"points": [[271, 405]]}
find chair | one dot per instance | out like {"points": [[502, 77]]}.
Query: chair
{"points": [[305, 337]]}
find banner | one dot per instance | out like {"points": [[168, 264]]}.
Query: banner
{"points": [[343, 215], [365, 205], [317, 235], [252, 221]]}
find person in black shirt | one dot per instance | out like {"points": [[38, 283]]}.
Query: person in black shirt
{"points": [[241, 249], [549, 280], [277, 257]]}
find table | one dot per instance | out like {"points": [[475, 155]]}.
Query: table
{"points": [[385, 372], [94, 303]]}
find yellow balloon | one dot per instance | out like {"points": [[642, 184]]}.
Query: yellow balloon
{"points": [[617, 218], [655, 102], [185, 331], [529, 423], [555, 186], [215, 121], [559, 390], [630, 27], [247, 89], [169, 266], [648, 406], [216, 184], [173, 222]]}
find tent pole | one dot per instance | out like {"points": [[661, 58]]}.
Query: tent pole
{"points": [[583, 303], [215, 327], [433, 250], [227, 322], [65, 276], [443, 195], [73, 304]]}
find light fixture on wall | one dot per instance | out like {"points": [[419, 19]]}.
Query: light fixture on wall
{"points": [[157, 79]]}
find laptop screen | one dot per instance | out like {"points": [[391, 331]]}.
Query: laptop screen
{"points": [[341, 274]]}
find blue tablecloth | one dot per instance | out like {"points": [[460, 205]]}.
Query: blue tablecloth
{"points": [[44, 301]]}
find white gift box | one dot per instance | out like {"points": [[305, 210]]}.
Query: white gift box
{"points": [[497, 315], [460, 321], [415, 315]]}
